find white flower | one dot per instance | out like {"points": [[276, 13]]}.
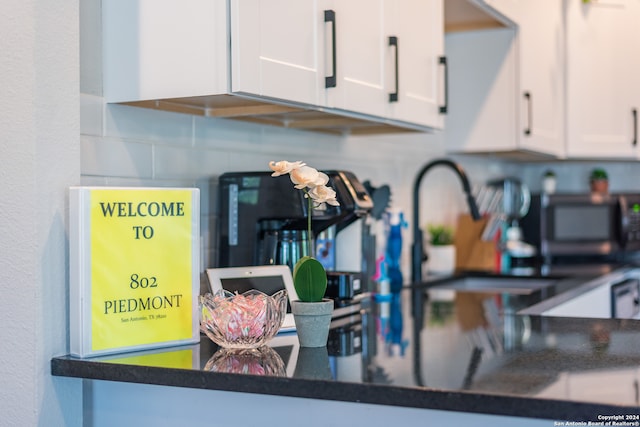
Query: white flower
{"points": [[309, 177], [323, 194], [283, 167], [309, 276]]}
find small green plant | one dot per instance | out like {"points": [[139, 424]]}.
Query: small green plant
{"points": [[598, 174], [440, 235], [549, 174]]}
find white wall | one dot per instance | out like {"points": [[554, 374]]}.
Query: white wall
{"points": [[39, 159]]}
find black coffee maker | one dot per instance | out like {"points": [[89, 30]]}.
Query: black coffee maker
{"points": [[263, 219]]}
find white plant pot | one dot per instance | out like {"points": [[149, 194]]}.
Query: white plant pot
{"points": [[442, 259], [549, 184], [313, 320]]}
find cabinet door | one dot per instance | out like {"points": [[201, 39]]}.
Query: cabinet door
{"points": [[601, 84], [276, 47], [482, 76], [359, 53], [525, 63], [633, 71], [156, 49], [540, 64], [418, 82], [541, 72]]}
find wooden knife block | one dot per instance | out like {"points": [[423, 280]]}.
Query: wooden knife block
{"points": [[471, 252]]}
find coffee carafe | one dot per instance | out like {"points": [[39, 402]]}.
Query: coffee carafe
{"points": [[516, 199], [283, 247]]}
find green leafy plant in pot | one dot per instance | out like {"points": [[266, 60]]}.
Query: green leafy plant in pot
{"points": [[599, 181], [440, 235], [442, 252], [311, 311]]}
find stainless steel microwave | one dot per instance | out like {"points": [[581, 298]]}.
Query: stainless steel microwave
{"points": [[583, 224]]}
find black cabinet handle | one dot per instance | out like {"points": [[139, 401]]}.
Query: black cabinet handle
{"points": [[527, 130], [393, 41], [330, 81], [443, 61], [634, 112]]}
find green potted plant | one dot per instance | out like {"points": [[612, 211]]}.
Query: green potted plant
{"points": [[442, 252], [599, 181], [311, 311], [440, 235]]}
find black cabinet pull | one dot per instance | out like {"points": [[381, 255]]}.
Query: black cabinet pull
{"points": [[393, 97], [330, 81], [443, 108], [527, 130], [634, 112]]}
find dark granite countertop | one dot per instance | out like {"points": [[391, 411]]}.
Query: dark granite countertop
{"points": [[467, 351]]}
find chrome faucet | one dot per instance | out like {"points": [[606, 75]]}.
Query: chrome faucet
{"points": [[418, 253]]}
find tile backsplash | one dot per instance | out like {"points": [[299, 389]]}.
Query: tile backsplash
{"points": [[129, 146]]}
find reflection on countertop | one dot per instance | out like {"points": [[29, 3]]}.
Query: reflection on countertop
{"points": [[460, 351], [483, 346]]}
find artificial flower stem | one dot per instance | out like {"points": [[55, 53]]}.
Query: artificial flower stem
{"points": [[310, 202]]}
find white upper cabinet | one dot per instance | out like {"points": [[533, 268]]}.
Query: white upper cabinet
{"points": [[541, 75], [602, 78], [360, 55], [276, 54], [507, 85], [388, 59], [416, 65], [482, 96], [304, 58], [157, 49]]}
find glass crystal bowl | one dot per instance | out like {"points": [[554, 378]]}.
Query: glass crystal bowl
{"points": [[247, 320], [253, 361]]}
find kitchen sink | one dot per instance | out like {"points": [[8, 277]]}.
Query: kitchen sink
{"points": [[510, 293], [509, 285]]}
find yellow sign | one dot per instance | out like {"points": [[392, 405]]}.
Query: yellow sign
{"points": [[141, 267]]}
